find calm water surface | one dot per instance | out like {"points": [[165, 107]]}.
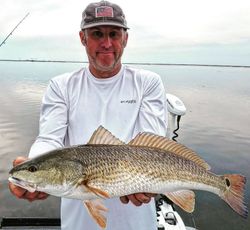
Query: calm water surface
{"points": [[216, 126]]}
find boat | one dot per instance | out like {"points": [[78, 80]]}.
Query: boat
{"points": [[167, 217], [15, 223]]}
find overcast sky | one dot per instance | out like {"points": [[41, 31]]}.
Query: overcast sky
{"points": [[166, 31]]}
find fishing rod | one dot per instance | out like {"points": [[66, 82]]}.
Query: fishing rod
{"points": [[3, 42]]}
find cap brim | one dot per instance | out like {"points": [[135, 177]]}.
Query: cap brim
{"points": [[103, 24]]}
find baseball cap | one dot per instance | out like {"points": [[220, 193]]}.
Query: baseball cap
{"points": [[103, 13]]}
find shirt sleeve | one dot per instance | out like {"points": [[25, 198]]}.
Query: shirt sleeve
{"points": [[153, 111], [53, 120]]}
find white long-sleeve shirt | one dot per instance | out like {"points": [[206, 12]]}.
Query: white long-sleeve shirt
{"points": [[76, 104]]}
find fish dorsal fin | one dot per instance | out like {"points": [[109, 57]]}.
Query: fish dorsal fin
{"points": [[185, 199], [160, 142], [104, 137]]}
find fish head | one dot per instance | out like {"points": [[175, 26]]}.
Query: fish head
{"points": [[50, 174]]}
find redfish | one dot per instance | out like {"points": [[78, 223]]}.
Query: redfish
{"points": [[107, 167]]}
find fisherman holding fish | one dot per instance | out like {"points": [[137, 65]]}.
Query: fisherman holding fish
{"points": [[122, 99], [102, 143]]}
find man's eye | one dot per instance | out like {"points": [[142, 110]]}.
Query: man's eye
{"points": [[97, 34], [113, 34]]}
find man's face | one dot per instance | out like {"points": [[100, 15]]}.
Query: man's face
{"points": [[104, 46]]}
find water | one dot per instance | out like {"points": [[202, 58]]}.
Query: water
{"points": [[216, 126]]}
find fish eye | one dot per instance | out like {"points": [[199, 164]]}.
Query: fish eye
{"points": [[32, 168]]}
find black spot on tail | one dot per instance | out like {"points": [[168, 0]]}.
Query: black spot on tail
{"points": [[228, 182]]}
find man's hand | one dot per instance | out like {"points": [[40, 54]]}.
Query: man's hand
{"points": [[22, 193], [137, 199]]}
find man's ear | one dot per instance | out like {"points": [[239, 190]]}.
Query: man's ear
{"points": [[82, 37], [125, 39]]}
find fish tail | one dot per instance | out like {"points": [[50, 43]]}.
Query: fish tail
{"points": [[234, 194]]}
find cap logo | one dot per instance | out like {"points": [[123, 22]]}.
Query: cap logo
{"points": [[104, 11]]}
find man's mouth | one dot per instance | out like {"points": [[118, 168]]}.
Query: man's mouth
{"points": [[105, 53]]}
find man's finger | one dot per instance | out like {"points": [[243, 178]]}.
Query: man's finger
{"points": [[17, 191], [134, 200], [143, 198], [19, 160], [31, 196], [150, 194], [124, 199], [42, 196]]}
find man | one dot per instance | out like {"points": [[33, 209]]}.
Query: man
{"points": [[124, 100]]}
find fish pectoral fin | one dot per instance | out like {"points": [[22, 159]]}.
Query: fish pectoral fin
{"points": [[103, 137], [102, 194], [96, 209], [185, 199]]}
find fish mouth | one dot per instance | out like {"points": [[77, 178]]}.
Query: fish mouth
{"points": [[23, 184]]}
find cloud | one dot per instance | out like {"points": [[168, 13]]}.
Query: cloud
{"points": [[156, 28], [183, 21], [195, 22]]}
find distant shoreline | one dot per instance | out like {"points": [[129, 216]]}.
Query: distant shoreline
{"points": [[129, 63]]}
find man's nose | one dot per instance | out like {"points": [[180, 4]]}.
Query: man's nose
{"points": [[106, 43]]}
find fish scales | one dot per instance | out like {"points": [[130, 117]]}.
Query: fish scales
{"points": [[111, 166]]}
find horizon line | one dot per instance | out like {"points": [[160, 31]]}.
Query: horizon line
{"points": [[128, 63]]}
